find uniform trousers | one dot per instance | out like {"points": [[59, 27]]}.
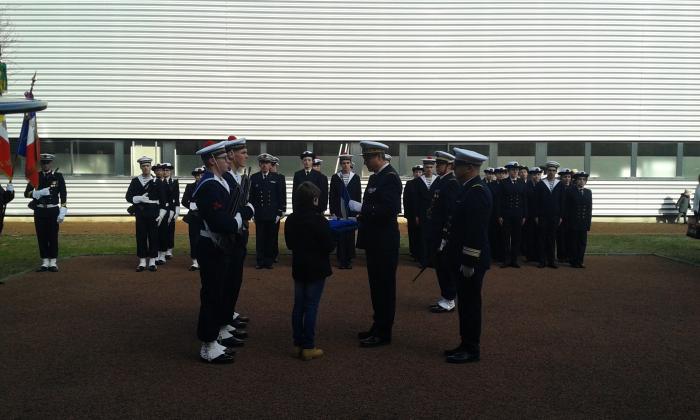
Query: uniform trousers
{"points": [[265, 242], [276, 246], [469, 308], [413, 237], [426, 242], [496, 239], [530, 246], [234, 279], [512, 235], [147, 237], [212, 272], [446, 277], [381, 271], [562, 242], [193, 228], [171, 234], [47, 233], [578, 239], [163, 234], [346, 248], [547, 232]]}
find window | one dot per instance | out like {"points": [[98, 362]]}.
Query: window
{"points": [[288, 152], [611, 160], [523, 153], [185, 157], [656, 160], [62, 150], [568, 154], [691, 160], [92, 157]]}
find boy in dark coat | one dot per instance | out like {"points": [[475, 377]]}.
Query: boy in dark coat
{"points": [[308, 235]]}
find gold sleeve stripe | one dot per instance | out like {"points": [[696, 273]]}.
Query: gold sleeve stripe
{"points": [[476, 253]]}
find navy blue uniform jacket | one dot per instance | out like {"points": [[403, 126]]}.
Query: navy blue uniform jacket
{"points": [[579, 208], [267, 196], [320, 180], [467, 233], [381, 204]]}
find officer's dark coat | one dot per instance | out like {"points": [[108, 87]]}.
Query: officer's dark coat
{"points": [[511, 202], [445, 194], [381, 204], [337, 185], [318, 179], [5, 197], [267, 196], [57, 188], [409, 203], [153, 190], [174, 190], [187, 195], [282, 181], [422, 198], [467, 234], [579, 207], [549, 204]]}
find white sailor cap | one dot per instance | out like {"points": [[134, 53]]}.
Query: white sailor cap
{"points": [[198, 170], [490, 170], [345, 157], [369, 147], [317, 162], [265, 157], [552, 164], [582, 174], [387, 157], [428, 160], [534, 170], [566, 171], [46, 157], [307, 153], [417, 168], [441, 156], [512, 165], [468, 156], [144, 160], [211, 150], [235, 143], [275, 160], [167, 165]]}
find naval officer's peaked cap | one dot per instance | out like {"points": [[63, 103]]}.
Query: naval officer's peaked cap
{"points": [[512, 165], [369, 147], [265, 157], [469, 156], [144, 160], [307, 153], [46, 157], [441, 156]]}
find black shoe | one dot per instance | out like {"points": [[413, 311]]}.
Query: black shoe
{"points": [[269, 266], [220, 360], [53, 269], [437, 309], [192, 268], [140, 268], [232, 342], [515, 265], [152, 268], [581, 266], [462, 357], [242, 318], [230, 351], [239, 325], [374, 341], [453, 351], [552, 265], [239, 334], [168, 257], [42, 269], [365, 334], [259, 267], [540, 265], [505, 265], [159, 262]]}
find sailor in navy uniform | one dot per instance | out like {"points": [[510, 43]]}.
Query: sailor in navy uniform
{"points": [[282, 181], [565, 176], [378, 235], [345, 186], [49, 205], [423, 199], [214, 197], [579, 211], [316, 166], [194, 223], [466, 244], [530, 243], [445, 190], [549, 204], [265, 194], [163, 229], [6, 195], [316, 177], [148, 206], [174, 210], [237, 152], [409, 212], [511, 213]]}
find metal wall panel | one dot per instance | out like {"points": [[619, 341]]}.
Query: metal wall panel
{"points": [[410, 70]]}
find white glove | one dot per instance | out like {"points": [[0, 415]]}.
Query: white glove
{"points": [[239, 221], [193, 206], [354, 219], [466, 271], [161, 215], [355, 206], [443, 243], [177, 212], [61, 214], [171, 217], [251, 207], [37, 194], [10, 187], [277, 219], [137, 199]]}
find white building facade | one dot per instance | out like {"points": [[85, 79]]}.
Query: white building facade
{"points": [[611, 87]]}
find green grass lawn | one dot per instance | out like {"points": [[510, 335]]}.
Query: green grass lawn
{"points": [[19, 253]]}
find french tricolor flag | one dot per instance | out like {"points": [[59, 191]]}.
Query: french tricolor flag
{"points": [[29, 148], [5, 158]]}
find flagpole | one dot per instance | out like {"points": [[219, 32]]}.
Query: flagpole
{"points": [[27, 95]]}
